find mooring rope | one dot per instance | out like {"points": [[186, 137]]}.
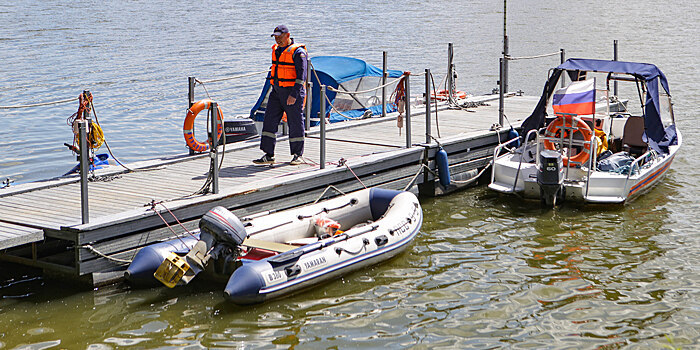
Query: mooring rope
{"points": [[511, 58], [97, 252], [40, 104]]}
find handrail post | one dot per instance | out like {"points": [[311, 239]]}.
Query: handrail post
{"points": [[190, 99], [309, 102], [323, 127], [213, 150], [505, 64], [615, 59], [384, 75], [427, 106], [190, 91], [501, 92], [407, 105], [562, 58], [84, 167], [450, 73]]}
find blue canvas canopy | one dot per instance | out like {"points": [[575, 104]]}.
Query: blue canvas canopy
{"points": [[647, 73], [342, 73]]}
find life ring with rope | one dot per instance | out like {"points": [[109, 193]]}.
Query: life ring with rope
{"points": [[188, 127], [556, 127], [443, 95]]}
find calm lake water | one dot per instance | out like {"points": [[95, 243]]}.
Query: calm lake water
{"points": [[486, 272]]}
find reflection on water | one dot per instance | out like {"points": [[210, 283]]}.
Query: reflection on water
{"points": [[486, 272]]}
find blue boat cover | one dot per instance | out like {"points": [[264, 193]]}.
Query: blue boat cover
{"points": [[645, 72], [334, 71]]}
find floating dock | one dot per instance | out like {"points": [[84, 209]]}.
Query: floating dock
{"points": [[41, 224]]}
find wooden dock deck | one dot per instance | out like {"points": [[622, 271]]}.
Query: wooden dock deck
{"points": [[40, 222]]}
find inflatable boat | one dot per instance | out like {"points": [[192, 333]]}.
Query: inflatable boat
{"points": [[268, 255]]}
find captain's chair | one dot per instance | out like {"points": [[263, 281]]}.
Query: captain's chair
{"points": [[632, 141]]}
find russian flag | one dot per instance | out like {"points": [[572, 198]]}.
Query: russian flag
{"points": [[577, 98]]}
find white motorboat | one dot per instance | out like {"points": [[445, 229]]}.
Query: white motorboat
{"points": [[587, 154]]}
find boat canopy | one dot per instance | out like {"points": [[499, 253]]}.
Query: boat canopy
{"points": [[645, 72], [341, 73]]}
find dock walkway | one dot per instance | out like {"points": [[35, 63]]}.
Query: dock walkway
{"points": [[41, 226]]}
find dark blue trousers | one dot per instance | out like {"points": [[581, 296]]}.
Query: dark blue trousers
{"points": [[276, 106]]}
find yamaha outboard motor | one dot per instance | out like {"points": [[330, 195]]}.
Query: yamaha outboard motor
{"points": [[550, 176], [223, 226], [221, 234]]}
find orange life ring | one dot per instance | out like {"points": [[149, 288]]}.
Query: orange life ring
{"points": [[563, 121], [188, 128], [442, 95]]}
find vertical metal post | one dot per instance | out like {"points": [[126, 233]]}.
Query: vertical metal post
{"points": [[309, 102], [213, 151], [505, 65], [450, 72], [427, 106], [407, 106], [501, 92], [504, 77], [562, 58], [615, 59], [384, 74], [190, 91], [190, 99], [84, 168], [323, 127]]}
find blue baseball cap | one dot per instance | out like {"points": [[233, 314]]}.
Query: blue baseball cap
{"points": [[279, 30]]}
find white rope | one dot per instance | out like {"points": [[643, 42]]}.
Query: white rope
{"points": [[231, 78], [364, 91], [40, 104], [508, 57], [97, 252]]}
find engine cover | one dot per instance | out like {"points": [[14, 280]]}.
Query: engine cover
{"points": [[225, 227]]}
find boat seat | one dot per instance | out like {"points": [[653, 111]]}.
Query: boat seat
{"points": [[632, 141]]}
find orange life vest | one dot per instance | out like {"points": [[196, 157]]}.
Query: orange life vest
{"points": [[282, 72]]}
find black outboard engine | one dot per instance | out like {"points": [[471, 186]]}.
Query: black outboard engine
{"points": [[550, 176], [221, 234]]}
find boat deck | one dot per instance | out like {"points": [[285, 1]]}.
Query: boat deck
{"points": [[122, 218]]}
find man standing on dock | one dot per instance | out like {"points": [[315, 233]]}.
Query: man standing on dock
{"points": [[287, 76]]}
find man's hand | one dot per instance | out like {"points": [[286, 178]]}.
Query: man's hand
{"points": [[291, 99]]}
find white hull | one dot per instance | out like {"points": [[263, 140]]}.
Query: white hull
{"points": [[602, 187]]}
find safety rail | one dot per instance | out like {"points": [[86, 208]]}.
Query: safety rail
{"points": [[649, 155], [40, 104]]}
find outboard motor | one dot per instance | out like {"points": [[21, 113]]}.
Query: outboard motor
{"points": [[550, 176], [221, 234], [223, 226]]}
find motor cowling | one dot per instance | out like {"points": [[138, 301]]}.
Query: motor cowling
{"points": [[550, 175], [223, 226]]}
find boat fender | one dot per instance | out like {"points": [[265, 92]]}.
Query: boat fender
{"points": [[514, 134], [443, 167], [223, 226]]}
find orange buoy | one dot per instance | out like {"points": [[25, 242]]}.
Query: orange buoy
{"points": [[558, 125], [188, 128], [442, 95]]}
